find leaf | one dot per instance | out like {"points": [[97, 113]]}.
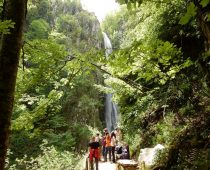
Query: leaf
{"points": [[129, 5], [191, 12], [5, 26], [204, 3], [121, 1], [187, 63]]}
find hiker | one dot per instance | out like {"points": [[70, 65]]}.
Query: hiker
{"points": [[97, 139], [103, 143], [125, 152], [93, 152], [113, 145], [108, 149], [118, 149]]}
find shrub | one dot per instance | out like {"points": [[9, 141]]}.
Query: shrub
{"points": [[49, 159]]}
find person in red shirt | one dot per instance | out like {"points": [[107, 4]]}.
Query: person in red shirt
{"points": [[98, 139], [93, 152]]}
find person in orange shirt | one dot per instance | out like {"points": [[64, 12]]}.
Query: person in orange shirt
{"points": [[108, 149]]}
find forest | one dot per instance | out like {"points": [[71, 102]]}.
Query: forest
{"points": [[55, 77]]}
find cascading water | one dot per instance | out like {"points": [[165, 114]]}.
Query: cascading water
{"points": [[111, 113]]}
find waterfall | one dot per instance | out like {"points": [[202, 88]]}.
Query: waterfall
{"points": [[111, 113]]}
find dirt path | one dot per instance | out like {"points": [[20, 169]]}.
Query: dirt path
{"points": [[106, 166]]}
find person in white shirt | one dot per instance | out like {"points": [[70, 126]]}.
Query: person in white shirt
{"points": [[113, 145]]}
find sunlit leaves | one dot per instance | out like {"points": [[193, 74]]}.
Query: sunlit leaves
{"points": [[160, 54], [122, 1], [29, 117], [204, 3], [130, 3], [158, 62], [68, 24], [191, 12], [6, 26], [38, 82], [55, 93], [38, 29], [50, 157], [30, 100]]}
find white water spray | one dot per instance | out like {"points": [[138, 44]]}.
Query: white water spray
{"points": [[111, 113]]}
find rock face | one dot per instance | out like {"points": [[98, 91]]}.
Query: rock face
{"points": [[147, 156], [90, 29], [80, 27]]}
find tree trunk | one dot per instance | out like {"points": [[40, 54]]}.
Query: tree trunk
{"points": [[10, 45], [205, 28], [204, 23]]}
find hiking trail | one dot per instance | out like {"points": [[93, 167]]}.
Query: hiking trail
{"points": [[106, 166]]}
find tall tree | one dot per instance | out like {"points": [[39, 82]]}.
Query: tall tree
{"points": [[10, 46]]}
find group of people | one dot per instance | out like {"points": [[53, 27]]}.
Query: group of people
{"points": [[110, 145]]}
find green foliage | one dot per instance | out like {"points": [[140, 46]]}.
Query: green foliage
{"points": [[29, 117], [50, 158], [192, 159], [67, 24], [55, 96], [5, 26], [157, 74], [111, 26], [63, 141], [130, 3], [158, 80], [82, 134], [41, 101], [38, 29], [204, 3], [191, 12]]}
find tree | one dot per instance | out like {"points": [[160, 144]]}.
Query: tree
{"points": [[198, 9], [10, 46], [38, 29]]}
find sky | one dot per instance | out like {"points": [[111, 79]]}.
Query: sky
{"points": [[100, 7]]}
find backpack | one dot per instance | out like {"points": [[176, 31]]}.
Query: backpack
{"points": [[119, 149]]}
